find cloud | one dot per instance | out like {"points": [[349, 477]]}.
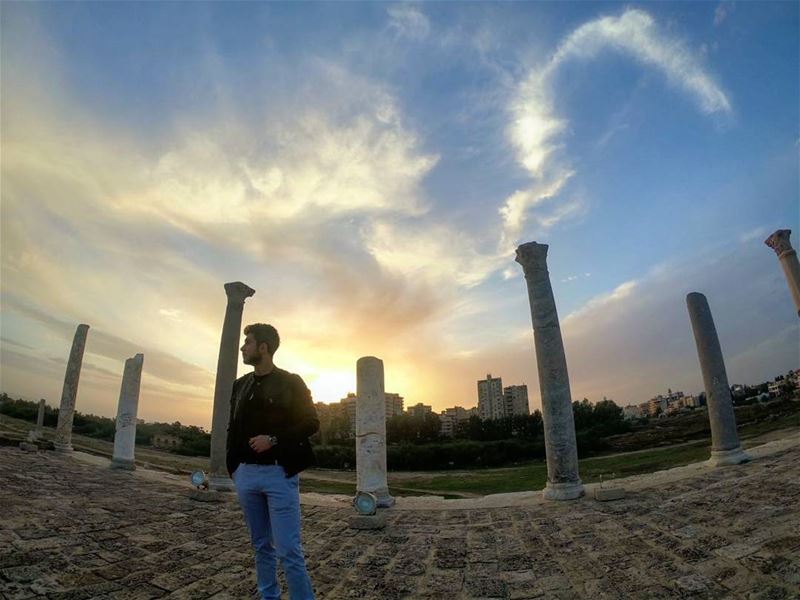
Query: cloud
{"points": [[536, 129], [159, 364], [315, 200], [754, 234], [635, 340], [722, 12], [408, 21]]}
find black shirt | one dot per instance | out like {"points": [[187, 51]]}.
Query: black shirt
{"points": [[279, 404], [261, 400]]}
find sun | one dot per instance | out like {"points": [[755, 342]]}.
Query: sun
{"points": [[330, 386]]}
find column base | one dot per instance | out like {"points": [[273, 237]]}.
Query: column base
{"points": [[385, 501], [221, 483], [121, 463], [376, 521], [383, 497], [721, 458], [62, 448], [563, 491]]}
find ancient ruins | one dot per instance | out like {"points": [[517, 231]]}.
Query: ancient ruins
{"points": [[725, 447], [691, 531], [66, 410], [227, 365], [371, 431], [779, 242], [125, 436], [563, 481]]}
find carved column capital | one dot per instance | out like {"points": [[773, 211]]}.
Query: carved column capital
{"points": [[779, 241], [238, 291], [532, 256]]}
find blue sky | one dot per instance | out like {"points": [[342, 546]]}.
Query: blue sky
{"points": [[369, 168]]}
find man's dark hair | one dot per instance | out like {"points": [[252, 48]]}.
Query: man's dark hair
{"points": [[264, 334]]}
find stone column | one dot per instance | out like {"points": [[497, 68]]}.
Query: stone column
{"points": [[725, 447], [40, 416], [125, 436], [237, 293], [779, 241], [66, 411], [37, 433], [371, 430], [563, 480]]}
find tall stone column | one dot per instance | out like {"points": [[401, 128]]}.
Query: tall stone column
{"points": [[37, 433], [563, 480], [725, 447], [125, 436], [237, 293], [66, 411], [371, 430], [40, 416], [779, 241]]}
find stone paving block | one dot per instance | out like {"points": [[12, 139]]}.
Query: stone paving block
{"points": [[662, 545], [735, 551]]}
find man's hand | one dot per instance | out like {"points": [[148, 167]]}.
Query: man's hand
{"points": [[260, 443]]}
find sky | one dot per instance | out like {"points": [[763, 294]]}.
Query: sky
{"points": [[370, 168]]}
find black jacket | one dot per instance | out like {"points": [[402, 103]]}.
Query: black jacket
{"points": [[283, 409]]}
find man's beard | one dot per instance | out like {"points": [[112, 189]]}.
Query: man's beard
{"points": [[253, 359]]}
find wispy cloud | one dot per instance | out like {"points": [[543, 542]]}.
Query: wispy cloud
{"points": [[722, 12], [635, 340], [407, 20], [316, 202], [537, 129], [758, 233]]}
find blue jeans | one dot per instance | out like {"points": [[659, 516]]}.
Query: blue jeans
{"points": [[271, 505]]}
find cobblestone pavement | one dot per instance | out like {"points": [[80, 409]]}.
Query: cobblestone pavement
{"points": [[74, 530]]}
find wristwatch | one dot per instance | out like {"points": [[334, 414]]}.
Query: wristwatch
{"points": [[273, 440]]}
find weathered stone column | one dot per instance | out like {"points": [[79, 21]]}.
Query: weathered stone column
{"points": [[125, 436], [66, 411], [779, 241], [725, 447], [371, 430], [37, 433], [563, 480], [40, 416], [237, 293]]}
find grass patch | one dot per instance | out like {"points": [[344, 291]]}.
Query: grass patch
{"points": [[526, 477]]}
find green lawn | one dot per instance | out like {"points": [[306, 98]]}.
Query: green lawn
{"points": [[477, 482]]}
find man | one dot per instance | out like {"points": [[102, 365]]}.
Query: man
{"points": [[272, 417]]}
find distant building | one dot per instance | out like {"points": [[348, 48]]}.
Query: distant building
{"points": [[516, 400], [633, 411], [667, 404], [491, 402], [447, 425], [459, 413], [394, 404], [451, 417], [163, 440], [656, 406], [692, 402], [420, 410], [775, 387], [349, 404]]}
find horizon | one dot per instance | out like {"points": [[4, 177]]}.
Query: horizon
{"points": [[207, 429], [369, 168]]}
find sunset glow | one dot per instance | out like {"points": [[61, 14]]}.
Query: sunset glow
{"points": [[369, 171]]}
